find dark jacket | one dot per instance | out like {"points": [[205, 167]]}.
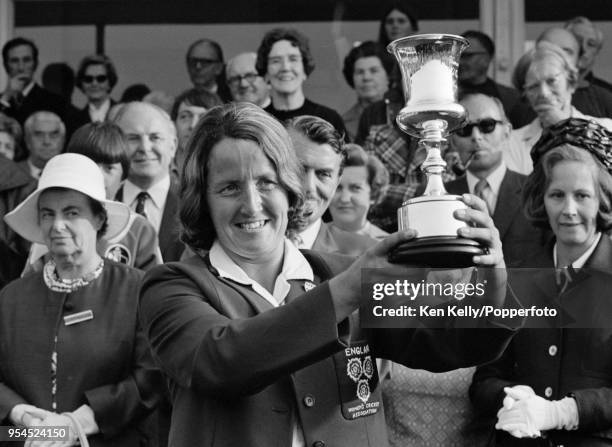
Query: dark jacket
{"points": [[559, 360], [15, 186], [242, 371], [520, 239], [104, 362]]}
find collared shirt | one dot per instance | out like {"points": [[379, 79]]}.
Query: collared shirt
{"points": [[98, 114], [34, 171], [494, 179], [579, 263], [154, 208], [27, 89], [518, 157], [309, 235], [295, 267]]}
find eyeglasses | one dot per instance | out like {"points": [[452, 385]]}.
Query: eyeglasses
{"points": [[201, 61], [553, 82], [235, 81], [486, 125], [99, 79]]}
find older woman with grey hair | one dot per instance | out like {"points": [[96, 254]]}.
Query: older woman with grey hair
{"points": [[547, 78]]}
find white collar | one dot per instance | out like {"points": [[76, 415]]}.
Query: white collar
{"points": [[309, 235], [579, 263], [158, 192], [295, 267], [99, 113], [27, 89], [494, 179]]}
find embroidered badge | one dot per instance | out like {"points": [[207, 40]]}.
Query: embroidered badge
{"points": [[118, 253], [357, 381]]}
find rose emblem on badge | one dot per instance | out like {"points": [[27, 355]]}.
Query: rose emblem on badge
{"points": [[363, 390], [368, 367], [353, 369]]}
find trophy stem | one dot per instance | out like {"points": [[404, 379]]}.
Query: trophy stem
{"points": [[434, 165]]}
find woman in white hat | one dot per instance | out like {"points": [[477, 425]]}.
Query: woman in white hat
{"points": [[72, 353]]}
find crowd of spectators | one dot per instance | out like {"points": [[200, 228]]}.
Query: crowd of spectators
{"points": [[356, 168]]}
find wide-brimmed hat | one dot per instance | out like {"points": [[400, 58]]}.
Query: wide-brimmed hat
{"points": [[71, 171]]}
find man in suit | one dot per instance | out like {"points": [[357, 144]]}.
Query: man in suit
{"points": [[244, 83], [22, 95], [205, 66], [480, 145], [149, 190], [44, 135], [320, 149]]}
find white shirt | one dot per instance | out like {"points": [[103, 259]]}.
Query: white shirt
{"points": [[295, 267], [34, 171], [579, 263], [309, 235], [98, 114], [154, 208], [494, 179], [518, 157]]}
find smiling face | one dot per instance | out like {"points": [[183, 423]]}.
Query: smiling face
{"points": [[96, 84], [321, 166], [350, 204], [370, 78], [151, 143], [68, 224], [285, 68], [572, 205], [248, 206]]}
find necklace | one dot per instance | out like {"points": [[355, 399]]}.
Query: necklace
{"points": [[57, 284]]}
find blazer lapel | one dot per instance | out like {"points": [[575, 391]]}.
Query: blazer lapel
{"points": [[168, 229], [508, 203]]}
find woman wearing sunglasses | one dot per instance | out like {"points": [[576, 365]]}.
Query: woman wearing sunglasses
{"points": [[547, 77], [96, 78]]}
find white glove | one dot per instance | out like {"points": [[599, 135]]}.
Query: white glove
{"points": [[24, 415], [526, 415]]}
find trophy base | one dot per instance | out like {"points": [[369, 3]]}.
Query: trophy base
{"points": [[437, 252]]}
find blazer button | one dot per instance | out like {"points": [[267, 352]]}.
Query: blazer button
{"points": [[309, 401], [552, 350], [318, 444], [548, 391], [68, 306]]}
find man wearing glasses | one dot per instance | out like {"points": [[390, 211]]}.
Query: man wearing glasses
{"points": [[244, 82], [205, 67], [480, 145]]}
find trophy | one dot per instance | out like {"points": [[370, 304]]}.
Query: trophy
{"points": [[428, 64]]}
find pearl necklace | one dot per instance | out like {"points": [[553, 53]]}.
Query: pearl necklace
{"points": [[57, 284]]}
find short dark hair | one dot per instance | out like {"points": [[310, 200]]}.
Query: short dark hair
{"points": [[538, 181], [481, 37], [18, 41], [193, 97], [402, 7], [242, 121], [319, 131], [378, 176], [103, 143], [11, 126], [210, 42], [365, 49], [297, 40], [96, 59]]}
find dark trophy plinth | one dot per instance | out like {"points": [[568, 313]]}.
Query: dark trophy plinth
{"points": [[428, 63]]}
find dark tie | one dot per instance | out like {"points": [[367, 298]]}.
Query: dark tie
{"points": [[484, 191], [564, 277], [141, 199]]}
